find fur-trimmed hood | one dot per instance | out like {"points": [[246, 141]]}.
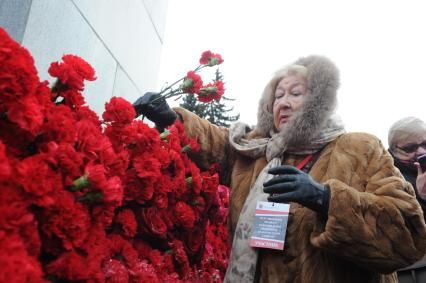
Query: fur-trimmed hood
{"points": [[305, 125]]}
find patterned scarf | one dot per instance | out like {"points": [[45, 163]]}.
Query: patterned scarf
{"points": [[243, 259]]}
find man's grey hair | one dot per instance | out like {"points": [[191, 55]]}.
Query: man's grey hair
{"points": [[405, 128]]}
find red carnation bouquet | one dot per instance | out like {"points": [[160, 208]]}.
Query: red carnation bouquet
{"points": [[99, 200], [193, 83]]}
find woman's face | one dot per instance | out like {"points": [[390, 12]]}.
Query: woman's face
{"points": [[290, 93]]}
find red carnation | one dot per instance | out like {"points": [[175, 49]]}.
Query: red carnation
{"points": [[210, 182], [184, 215], [161, 200], [4, 162], [192, 83], [210, 59], [38, 180], [73, 98], [16, 264], [119, 110], [68, 160], [195, 181], [115, 272], [85, 113], [199, 205], [154, 223], [211, 92], [147, 166], [218, 215], [180, 256], [60, 126], [103, 214], [70, 265], [96, 175], [144, 272], [18, 75], [89, 138], [67, 220], [137, 189], [115, 163], [126, 218], [27, 114], [72, 72], [113, 191]]}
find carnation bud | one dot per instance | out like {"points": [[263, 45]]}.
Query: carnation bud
{"points": [[187, 83], [189, 180], [186, 148], [81, 182], [206, 90], [213, 61], [164, 134]]}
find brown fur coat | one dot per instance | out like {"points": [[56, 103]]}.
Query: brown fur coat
{"points": [[374, 226]]}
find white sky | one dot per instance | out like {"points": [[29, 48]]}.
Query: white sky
{"points": [[378, 46]]}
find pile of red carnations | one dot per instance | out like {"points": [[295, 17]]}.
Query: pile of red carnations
{"points": [[90, 200]]}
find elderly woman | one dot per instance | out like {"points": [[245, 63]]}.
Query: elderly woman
{"points": [[352, 216]]}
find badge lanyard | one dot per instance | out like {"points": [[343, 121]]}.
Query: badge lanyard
{"points": [[304, 161]]}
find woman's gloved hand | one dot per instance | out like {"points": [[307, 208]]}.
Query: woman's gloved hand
{"points": [[155, 108], [293, 185]]}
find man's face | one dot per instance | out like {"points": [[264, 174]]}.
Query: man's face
{"points": [[411, 148]]}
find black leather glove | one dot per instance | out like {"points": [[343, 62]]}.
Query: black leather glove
{"points": [[155, 108], [293, 185]]}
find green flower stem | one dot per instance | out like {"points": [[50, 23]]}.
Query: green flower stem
{"points": [[91, 197], [178, 91]]}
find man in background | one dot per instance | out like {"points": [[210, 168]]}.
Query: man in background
{"points": [[407, 142]]}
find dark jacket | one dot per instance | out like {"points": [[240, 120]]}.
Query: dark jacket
{"points": [[410, 175], [414, 272]]}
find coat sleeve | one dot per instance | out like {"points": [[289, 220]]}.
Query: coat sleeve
{"points": [[213, 140], [378, 224]]}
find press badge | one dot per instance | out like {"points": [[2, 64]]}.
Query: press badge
{"points": [[269, 225]]}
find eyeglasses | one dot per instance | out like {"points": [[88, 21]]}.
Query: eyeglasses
{"points": [[412, 147]]}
